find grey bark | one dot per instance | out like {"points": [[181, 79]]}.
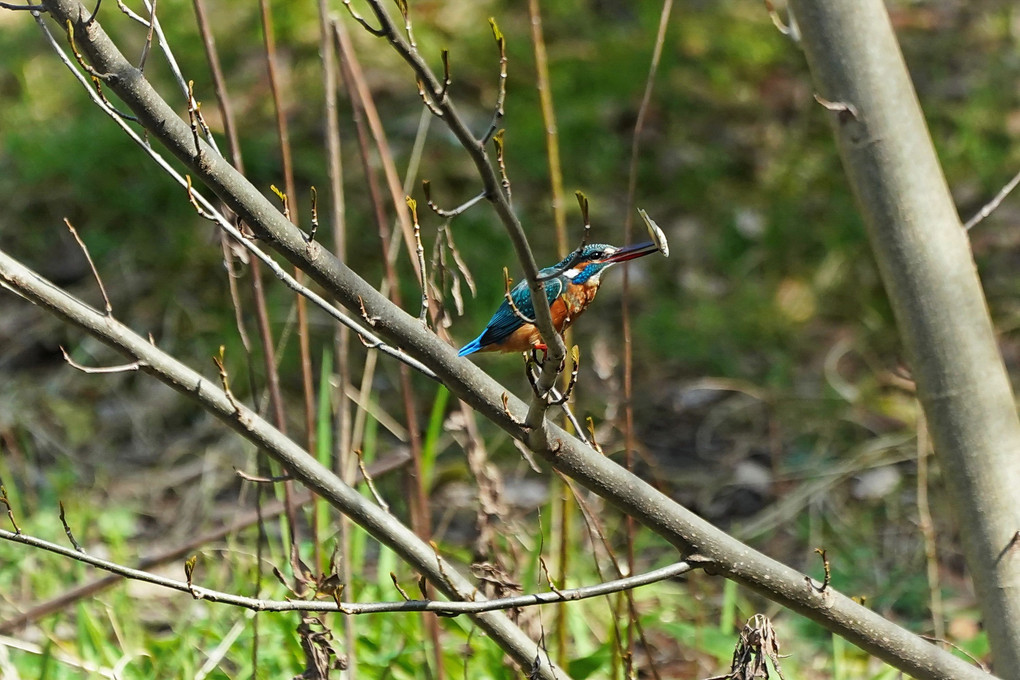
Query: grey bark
{"points": [[929, 274]]}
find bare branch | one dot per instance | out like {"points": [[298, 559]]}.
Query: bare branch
{"points": [[427, 189], [148, 39], [10, 511], [507, 290], [361, 20], [67, 530], [497, 141], [497, 115], [256, 479], [353, 608], [420, 252], [988, 208], [123, 368], [69, 26], [315, 215], [370, 482], [193, 114], [92, 265], [790, 29]]}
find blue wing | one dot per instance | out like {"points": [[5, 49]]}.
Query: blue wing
{"points": [[504, 322]]}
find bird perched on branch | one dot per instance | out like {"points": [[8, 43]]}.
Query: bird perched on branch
{"points": [[570, 286]]}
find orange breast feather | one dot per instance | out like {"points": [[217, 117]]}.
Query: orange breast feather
{"points": [[568, 306]]}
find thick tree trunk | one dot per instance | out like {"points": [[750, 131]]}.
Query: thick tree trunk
{"points": [[929, 274]]}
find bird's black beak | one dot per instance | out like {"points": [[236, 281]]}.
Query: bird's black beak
{"points": [[632, 252]]}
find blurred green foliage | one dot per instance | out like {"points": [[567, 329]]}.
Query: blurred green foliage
{"points": [[770, 286]]}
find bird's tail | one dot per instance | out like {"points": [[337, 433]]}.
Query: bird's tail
{"points": [[471, 347]]}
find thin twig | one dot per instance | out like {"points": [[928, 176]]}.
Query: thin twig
{"points": [[420, 251], [497, 141], [92, 266], [153, 22], [257, 479], [591, 430], [123, 368], [148, 37], [22, 8], [507, 293], [243, 521], [78, 55], [427, 189], [219, 83], [949, 643], [193, 108], [827, 578], [315, 214], [927, 529], [368, 480], [402, 6], [578, 252], [10, 511], [378, 32], [67, 529], [790, 29], [396, 584], [497, 115], [353, 608], [225, 380], [990, 207]]}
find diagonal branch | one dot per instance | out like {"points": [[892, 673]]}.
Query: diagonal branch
{"points": [[379, 523]]}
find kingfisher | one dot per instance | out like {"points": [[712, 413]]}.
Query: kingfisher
{"points": [[570, 286]]}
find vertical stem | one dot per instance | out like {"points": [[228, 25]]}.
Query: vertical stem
{"points": [[272, 373], [559, 491], [236, 159], [344, 458], [552, 144], [628, 357], [927, 528], [420, 512], [261, 310]]}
